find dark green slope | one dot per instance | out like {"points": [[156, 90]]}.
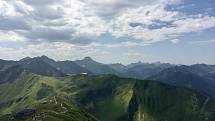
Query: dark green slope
{"points": [[153, 101], [104, 98], [116, 99], [10, 74]]}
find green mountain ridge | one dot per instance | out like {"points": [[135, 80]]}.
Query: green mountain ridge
{"points": [[100, 98], [199, 77]]}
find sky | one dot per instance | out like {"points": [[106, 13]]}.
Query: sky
{"points": [[109, 31]]}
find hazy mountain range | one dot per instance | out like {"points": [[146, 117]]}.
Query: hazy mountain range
{"points": [[198, 76], [41, 88]]}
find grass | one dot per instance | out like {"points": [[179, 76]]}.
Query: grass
{"points": [[105, 98]]}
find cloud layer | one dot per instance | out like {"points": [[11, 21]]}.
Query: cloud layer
{"points": [[81, 22]]}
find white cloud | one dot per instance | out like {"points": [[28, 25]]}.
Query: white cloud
{"points": [[55, 50], [11, 36], [117, 45], [14, 8], [110, 8], [7, 9], [76, 21], [175, 41], [147, 24]]}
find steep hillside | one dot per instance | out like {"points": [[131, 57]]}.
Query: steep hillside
{"points": [[154, 101], [105, 98], [10, 74], [194, 77], [4, 64]]}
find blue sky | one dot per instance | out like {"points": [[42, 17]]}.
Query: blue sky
{"points": [[110, 31]]}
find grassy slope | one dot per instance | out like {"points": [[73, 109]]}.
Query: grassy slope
{"points": [[153, 101], [108, 98], [44, 94]]}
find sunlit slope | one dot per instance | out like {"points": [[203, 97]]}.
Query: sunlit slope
{"points": [[104, 98], [43, 94]]}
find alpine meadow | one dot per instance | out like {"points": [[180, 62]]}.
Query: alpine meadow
{"points": [[107, 60]]}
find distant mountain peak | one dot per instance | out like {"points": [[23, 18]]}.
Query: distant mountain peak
{"points": [[45, 57], [139, 62], [88, 58], [26, 58]]}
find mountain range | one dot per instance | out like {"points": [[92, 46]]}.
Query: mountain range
{"points": [[200, 77], [42, 89]]}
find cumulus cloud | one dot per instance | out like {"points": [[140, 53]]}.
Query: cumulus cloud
{"points": [[154, 23], [110, 8], [10, 36], [81, 22]]}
